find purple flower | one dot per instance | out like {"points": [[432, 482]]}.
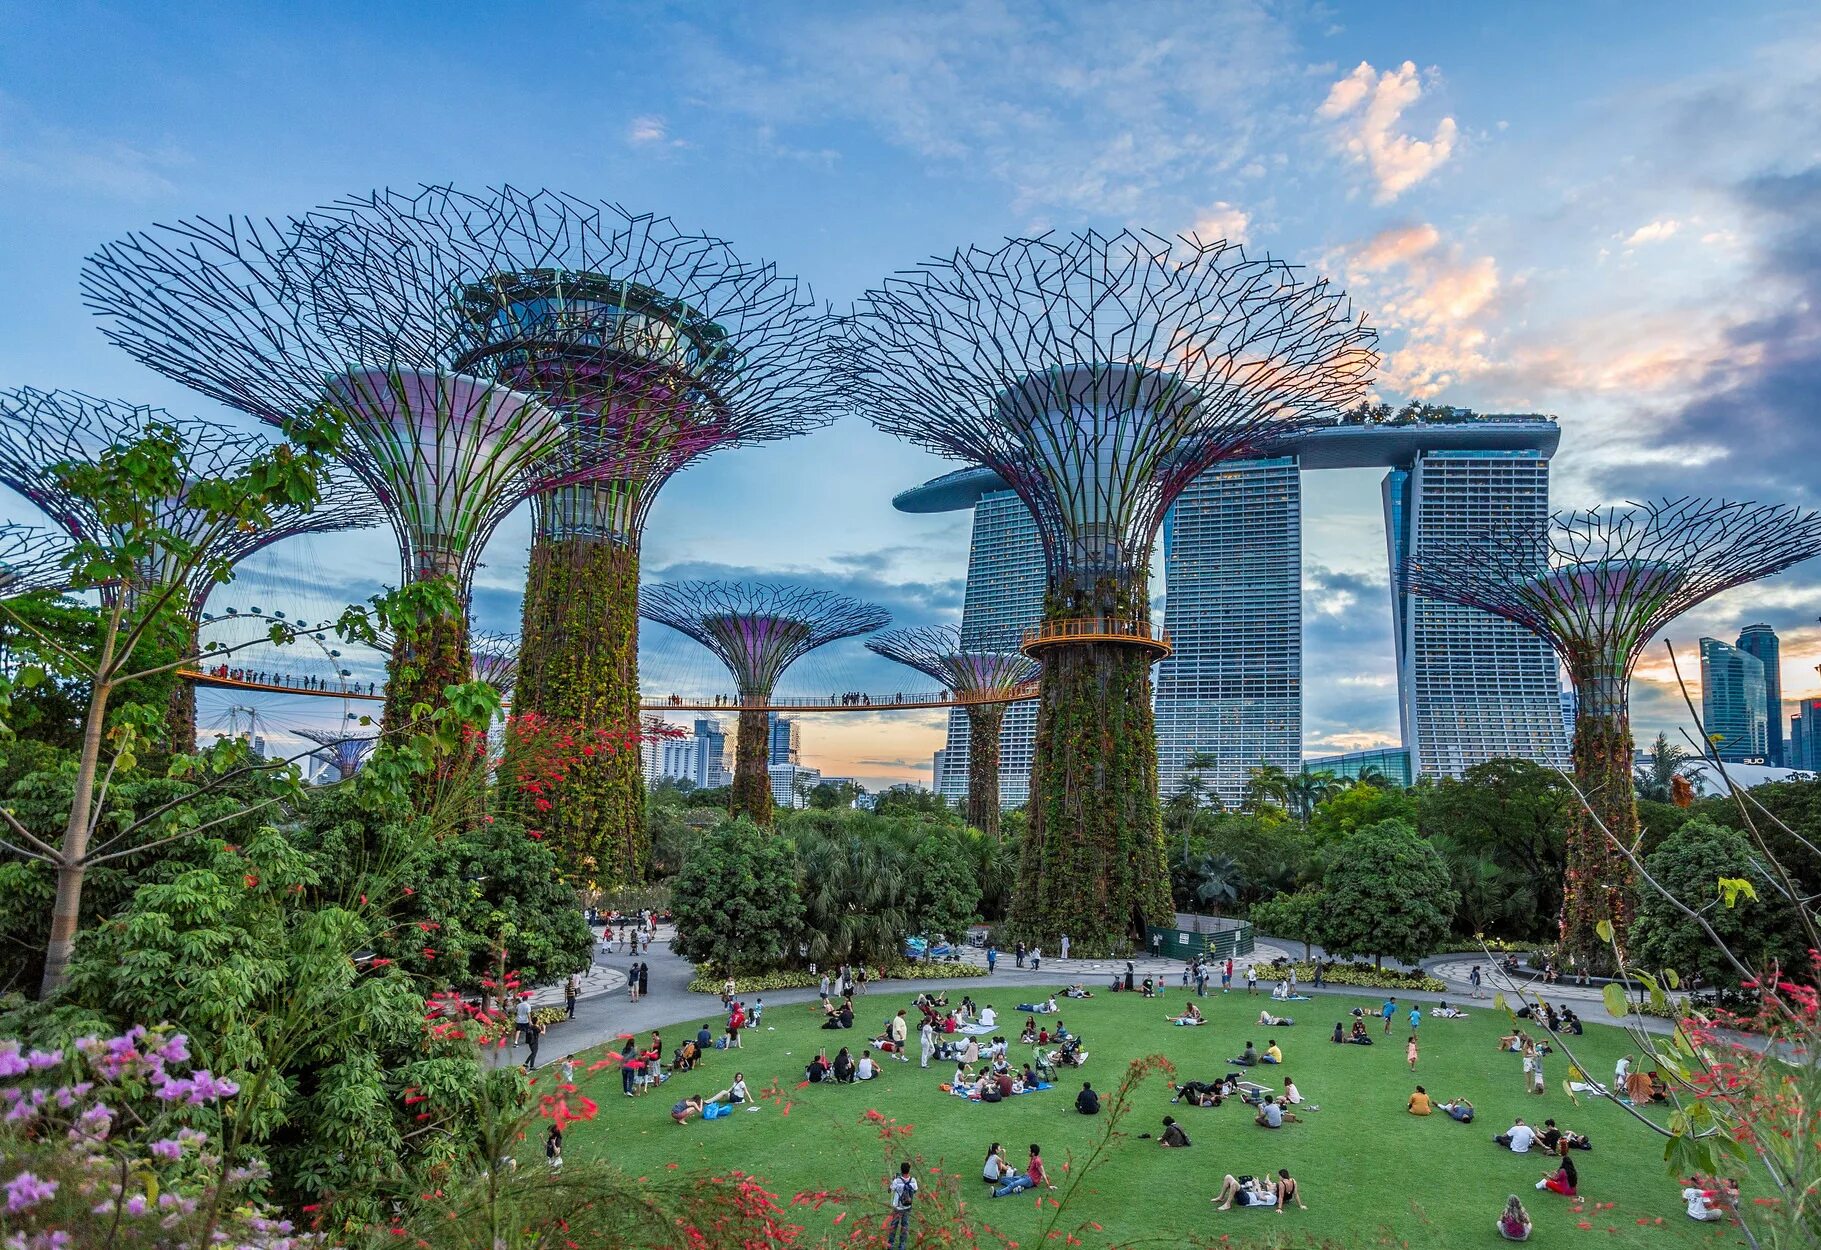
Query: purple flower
{"points": [[137, 1205], [11, 1064], [169, 1149], [174, 1049], [39, 1060], [26, 1190]]}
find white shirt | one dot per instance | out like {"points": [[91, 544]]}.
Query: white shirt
{"points": [[737, 1091], [989, 1017], [1698, 1207], [1522, 1135], [1621, 1071], [524, 1011], [866, 1071], [927, 1033], [904, 1188]]}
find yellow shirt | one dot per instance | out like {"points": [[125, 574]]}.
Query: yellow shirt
{"points": [[1275, 1055], [1419, 1103]]}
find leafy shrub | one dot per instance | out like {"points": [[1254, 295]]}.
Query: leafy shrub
{"points": [[1362, 975], [709, 981]]}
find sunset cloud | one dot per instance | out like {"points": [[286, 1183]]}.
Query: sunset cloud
{"points": [[1366, 107], [1653, 232]]}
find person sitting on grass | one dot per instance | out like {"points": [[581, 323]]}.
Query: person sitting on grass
{"points": [[685, 1058], [1419, 1102], [843, 1067], [962, 1082], [866, 1069], [691, 1105], [1029, 1077], [1077, 990], [1292, 1095], [1260, 1192], [1704, 1202], [995, 1170], [818, 1070], [1268, 1021], [840, 1018], [1272, 1053], [1033, 1177], [1571, 1023], [1190, 1014], [1172, 1137], [1359, 1036], [1060, 1032], [1459, 1110], [1247, 1057], [1514, 1222], [1445, 1012], [1029, 1036], [1563, 1180], [733, 1093], [1087, 1102], [1270, 1114], [1519, 1138]]}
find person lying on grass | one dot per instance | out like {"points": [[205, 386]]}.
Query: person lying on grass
{"points": [[1077, 990], [1190, 1014], [1248, 1191], [1555, 1140], [1445, 1012], [1459, 1110], [1268, 1021], [1203, 1094]]}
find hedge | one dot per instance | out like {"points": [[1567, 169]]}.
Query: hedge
{"points": [[708, 981]]}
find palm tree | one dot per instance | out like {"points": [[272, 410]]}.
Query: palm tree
{"points": [[1656, 779], [1209, 881], [1371, 775], [855, 905], [1305, 792], [1267, 785]]}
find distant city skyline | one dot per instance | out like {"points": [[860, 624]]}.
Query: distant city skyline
{"points": [[1551, 207]]}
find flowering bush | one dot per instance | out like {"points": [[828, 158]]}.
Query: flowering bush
{"points": [[119, 1133]]}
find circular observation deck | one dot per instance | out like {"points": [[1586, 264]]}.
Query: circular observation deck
{"points": [[1096, 629]]}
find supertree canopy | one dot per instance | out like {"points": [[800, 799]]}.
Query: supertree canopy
{"points": [[983, 682], [1598, 586], [31, 559], [656, 347], [494, 660], [1098, 376], [757, 631], [347, 311], [347, 752], [40, 430]]}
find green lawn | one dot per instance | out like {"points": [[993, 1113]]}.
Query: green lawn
{"points": [[1365, 1165]]}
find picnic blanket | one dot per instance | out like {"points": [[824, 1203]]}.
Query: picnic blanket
{"points": [[950, 1089], [977, 1030], [1291, 998]]}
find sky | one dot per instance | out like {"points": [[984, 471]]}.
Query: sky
{"points": [[1608, 212]]}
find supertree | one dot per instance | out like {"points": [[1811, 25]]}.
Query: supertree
{"points": [[348, 312], [657, 347], [494, 659], [757, 631], [1598, 586], [1098, 376], [31, 559], [43, 430], [347, 752], [983, 682]]}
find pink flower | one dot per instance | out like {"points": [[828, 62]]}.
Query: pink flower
{"points": [[26, 1190]]}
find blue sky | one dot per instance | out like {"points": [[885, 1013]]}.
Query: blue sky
{"points": [[1605, 211]]}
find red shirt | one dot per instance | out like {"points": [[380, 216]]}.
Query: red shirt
{"points": [[1035, 1171]]}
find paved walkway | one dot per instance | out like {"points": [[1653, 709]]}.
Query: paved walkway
{"points": [[1454, 970]]}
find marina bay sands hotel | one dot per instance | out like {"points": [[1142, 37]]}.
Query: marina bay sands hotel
{"points": [[1471, 686]]}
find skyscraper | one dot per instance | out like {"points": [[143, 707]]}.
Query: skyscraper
{"points": [[1805, 737], [1761, 640], [700, 759], [785, 737], [1471, 686], [1232, 689], [1733, 703]]}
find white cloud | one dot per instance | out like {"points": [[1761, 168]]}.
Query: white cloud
{"points": [[1222, 220], [1653, 232], [651, 130], [1365, 108], [1433, 298], [36, 154]]}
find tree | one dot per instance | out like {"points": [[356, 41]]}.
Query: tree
{"points": [[1355, 807], [1502, 827], [1205, 883], [944, 887], [902, 800], [1656, 779], [738, 900], [145, 556], [1267, 786], [857, 899], [1306, 791], [1387, 893], [829, 795], [1297, 917], [1688, 867]]}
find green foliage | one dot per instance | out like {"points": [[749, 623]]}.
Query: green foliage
{"points": [[1387, 893], [1501, 828], [1693, 864], [1296, 917], [906, 800], [857, 896], [709, 979], [1205, 883], [39, 633], [944, 886], [738, 900], [1362, 976], [1357, 806], [829, 796]]}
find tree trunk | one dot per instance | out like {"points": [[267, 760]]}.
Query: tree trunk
{"points": [[72, 868], [983, 724], [579, 664], [752, 760], [1093, 862], [1597, 882], [181, 706], [427, 660]]}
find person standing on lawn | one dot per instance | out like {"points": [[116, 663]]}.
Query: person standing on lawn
{"points": [[1251, 978], [904, 1192], [1388, 1010], [927, 1036]]}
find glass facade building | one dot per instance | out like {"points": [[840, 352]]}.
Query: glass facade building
{"points": [[1733, 703], [1471, 686], [1232, 688], [1761, 641], [1391, 763], [1004, 598], [700, 759], [785, 737], [1804, 750]]}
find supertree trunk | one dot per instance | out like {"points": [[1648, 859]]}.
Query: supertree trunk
{"points": [[579, 664], [1597, 881], [983, 724], [1093, 863], [751, 769], [180, 713], [426, 659]]}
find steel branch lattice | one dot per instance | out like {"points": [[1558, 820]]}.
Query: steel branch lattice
{"points": [[1099, 375], [350, 308], [758, 630], [40, 430], [1599, 585], [345, 751], [31, 559], [493, 658], [937, 651], [657, 346]]}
